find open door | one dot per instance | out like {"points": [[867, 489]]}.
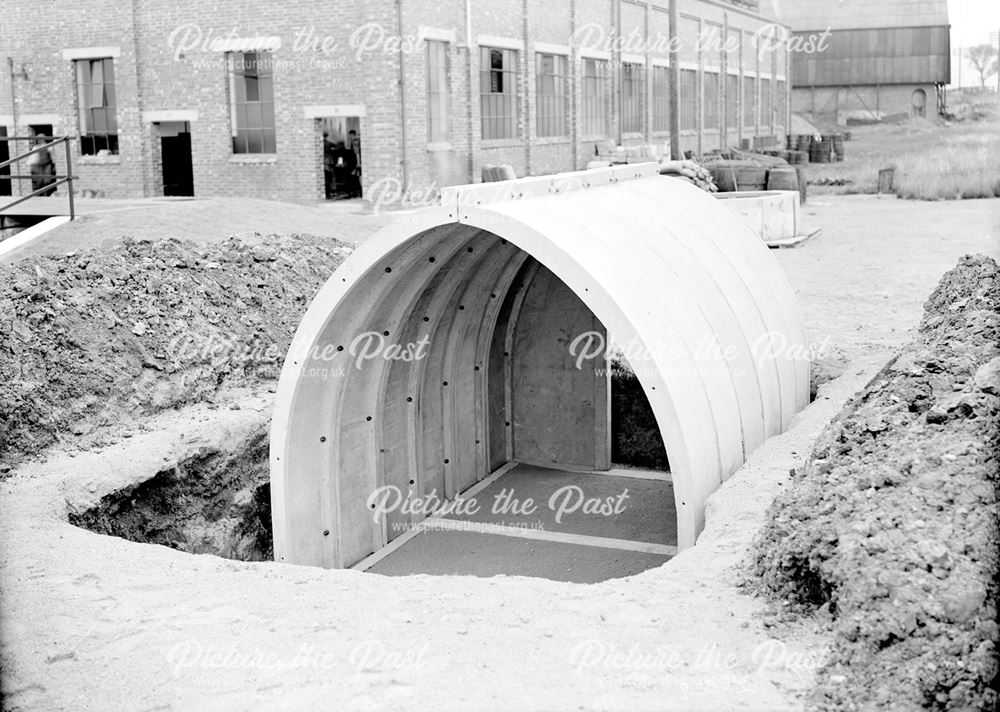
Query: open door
{"points": [[175, 150]]}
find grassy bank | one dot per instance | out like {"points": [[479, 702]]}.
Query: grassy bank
{"points": [[933, 160]]}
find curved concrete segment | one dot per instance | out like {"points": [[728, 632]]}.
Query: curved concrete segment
{"points": [[456, 340]]}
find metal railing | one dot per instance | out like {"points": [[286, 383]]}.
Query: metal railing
{"points": [[59, 179]]}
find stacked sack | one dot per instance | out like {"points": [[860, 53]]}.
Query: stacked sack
{"points": [[691, 172]]}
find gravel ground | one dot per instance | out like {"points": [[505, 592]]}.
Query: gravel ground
{"points": [[203, 220], [862, 283], [894, 526]]}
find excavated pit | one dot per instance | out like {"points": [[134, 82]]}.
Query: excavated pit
{"points": [[217, 501]]}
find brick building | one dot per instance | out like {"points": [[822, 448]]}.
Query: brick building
{"points": [[233, 97], [867, 60]]}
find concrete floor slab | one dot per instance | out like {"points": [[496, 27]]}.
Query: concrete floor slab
{"points": [[529, 500], [647, 508], [472, 553]]}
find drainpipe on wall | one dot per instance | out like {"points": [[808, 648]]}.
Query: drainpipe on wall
{"points": [[471, 73], [15, 185], [402, 91], [13, 101], [617, 70], [675, 84], [145, 146]]}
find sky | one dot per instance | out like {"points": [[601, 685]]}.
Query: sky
{"points": [[972, 21]]}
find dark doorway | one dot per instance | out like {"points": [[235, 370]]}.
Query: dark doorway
{"points": [[341, 156], [178, 174], [4, 156]]}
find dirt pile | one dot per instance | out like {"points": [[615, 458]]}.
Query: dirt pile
{"points": [[101, 337], [893, 524]]}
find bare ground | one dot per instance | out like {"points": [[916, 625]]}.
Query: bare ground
{"points": [[100, 618]]}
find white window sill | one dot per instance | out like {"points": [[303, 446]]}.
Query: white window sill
{"points": [[442, 146], [594, 138], [501, 143], [551, 140], [111, 159], [254, 159]]}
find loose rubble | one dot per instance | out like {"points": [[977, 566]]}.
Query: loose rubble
{"points": [[101, 337], [892, 526]]}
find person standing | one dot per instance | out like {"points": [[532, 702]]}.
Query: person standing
{"points": [[354, 188], [328, 162], [43, 168]]}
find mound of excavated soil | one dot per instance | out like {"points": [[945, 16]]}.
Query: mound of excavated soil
{"points": [[893, 523], [104, 336]]}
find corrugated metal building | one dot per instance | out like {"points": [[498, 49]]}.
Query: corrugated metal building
{"points": [[866, 60]]}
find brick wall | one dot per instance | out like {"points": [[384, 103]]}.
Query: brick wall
{"points": [[165, 62]]}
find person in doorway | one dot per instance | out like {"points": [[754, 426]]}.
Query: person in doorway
{"points": [[43, 168], [354, 143], [342, 167], [329, 159]]}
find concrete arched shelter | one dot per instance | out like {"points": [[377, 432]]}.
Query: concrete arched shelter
{"points": [[713, 328]]}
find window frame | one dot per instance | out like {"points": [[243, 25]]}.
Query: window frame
{"points": [[766, 104], [749, 117], [93, 141], [552, 109], [689, 100], [244, 132], [633, 118], [661, 99], [505, 124], [595, 105], [438, 98], [711, 121]]}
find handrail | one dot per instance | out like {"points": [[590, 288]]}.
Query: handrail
{"points": [[68, 178], [36, 149]]}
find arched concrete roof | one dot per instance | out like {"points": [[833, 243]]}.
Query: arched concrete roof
{"points": [[659, 262]]}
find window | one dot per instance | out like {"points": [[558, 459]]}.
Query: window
{"points": [[95, 92], [749, 101], [498, 93], [595, 97], [711, 100], [550, 90], [732, 100], [766, 111], [632, 98], [689, 100], [437, 92], [251, 101], [661, 99], [780, 99]]}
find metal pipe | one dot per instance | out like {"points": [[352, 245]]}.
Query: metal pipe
{"points": [[13, 102], [471, 72], [675, 84], [69, 181], [36, 149], [402, 91]]}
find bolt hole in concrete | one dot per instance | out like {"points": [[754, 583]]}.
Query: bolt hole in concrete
{"points": [[218, 502]]}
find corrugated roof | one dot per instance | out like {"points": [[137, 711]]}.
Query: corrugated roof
{"points": [[856, 14]]}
